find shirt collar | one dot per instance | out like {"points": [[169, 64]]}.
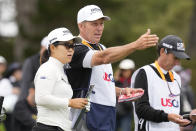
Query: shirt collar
{"points": [[56, 62], [164, 71], [85, 40]]}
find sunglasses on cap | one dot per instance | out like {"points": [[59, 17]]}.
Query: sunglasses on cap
{"points": [[67, 44]]}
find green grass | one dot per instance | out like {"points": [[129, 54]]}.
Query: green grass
{"points": [[2, 128]]}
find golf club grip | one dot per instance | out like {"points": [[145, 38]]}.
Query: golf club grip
{"points": [[89, 91], [83, 110]]}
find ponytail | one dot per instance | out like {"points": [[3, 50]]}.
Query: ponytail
{"points": [[44, 56]]}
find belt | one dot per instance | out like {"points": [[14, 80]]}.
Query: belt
{"points": [[40, 125]]}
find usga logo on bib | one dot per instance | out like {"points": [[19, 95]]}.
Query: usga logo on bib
{"points": [[166, 102]]}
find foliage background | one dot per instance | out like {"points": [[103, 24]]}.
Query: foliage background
{"points": [[130, 19]]}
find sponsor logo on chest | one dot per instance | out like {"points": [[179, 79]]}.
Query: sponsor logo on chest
{"points": [[108, 77]]}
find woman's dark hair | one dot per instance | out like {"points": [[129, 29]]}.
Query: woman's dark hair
{"points": [[46, 54]]}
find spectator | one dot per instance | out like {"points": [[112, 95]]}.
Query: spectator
{"points": [[5, 85], [125, 109], [6, 91], [24, 114], [3, 66], [13, 74], [30, 67]]}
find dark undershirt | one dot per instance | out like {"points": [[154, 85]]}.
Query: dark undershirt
{"points": [[79, 77]]}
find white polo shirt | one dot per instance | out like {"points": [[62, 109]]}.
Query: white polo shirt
{"points": [[52, 94]]}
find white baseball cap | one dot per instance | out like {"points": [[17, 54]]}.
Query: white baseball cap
{"points": [[127, 64], [45, 42], [62, 34], [2, 60], [91, 13]]}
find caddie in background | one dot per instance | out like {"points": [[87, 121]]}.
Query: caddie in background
{"points": [[91, 65], [159, 108]]}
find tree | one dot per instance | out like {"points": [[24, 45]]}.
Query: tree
{"points": [[192, 38], [36, 18], [27, 30]]}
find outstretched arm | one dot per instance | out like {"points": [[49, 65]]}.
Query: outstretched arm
{"points": [[113, 54]]}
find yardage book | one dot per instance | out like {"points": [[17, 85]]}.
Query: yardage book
{"points": [[132, 97]]}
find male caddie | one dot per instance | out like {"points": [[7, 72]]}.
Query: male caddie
{"points": [[91, 65]]}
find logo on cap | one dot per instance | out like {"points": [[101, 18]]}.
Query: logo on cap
{"points": [[180, 47], [66, 32], [53, 39], [95, 10], [167, 45]]}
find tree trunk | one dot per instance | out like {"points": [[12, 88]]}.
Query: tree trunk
{"points": [[25, 10], [192, 35]]}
